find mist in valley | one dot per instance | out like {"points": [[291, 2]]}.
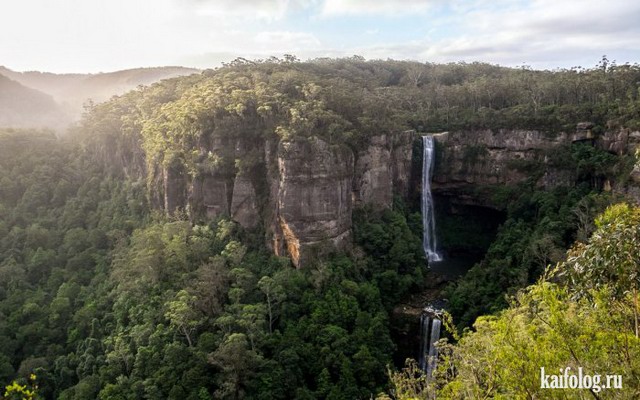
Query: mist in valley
{"points": [[44, 100]]}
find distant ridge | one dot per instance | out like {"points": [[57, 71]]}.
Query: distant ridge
{"points": [[70, 92], [23, 107]]}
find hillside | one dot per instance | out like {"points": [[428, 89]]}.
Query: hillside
{"points": [[73, 91], [23, 107]]}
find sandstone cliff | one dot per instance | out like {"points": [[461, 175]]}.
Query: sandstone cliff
{"points": [[302, 191], [314, 196], [470, 163]]}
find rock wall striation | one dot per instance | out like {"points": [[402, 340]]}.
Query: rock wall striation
{"points": [[471, 164], [302, 191]]}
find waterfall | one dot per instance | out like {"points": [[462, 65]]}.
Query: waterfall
{"points": [[424, 341], [428, 213], [433, 351], [429, 335]]}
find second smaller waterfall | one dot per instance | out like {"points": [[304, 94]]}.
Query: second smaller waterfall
{"points": [[425, 324], [429, 334], [432, 357]]}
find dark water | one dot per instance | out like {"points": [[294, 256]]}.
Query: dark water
{"points": [[453, 267]]}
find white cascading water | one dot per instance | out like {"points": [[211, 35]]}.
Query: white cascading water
{"points": [[429, 335], [429, 242], [433, 350], [425, 323]]}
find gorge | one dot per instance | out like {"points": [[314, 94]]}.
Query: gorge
{"points": [[258, 231], [312, 186]]}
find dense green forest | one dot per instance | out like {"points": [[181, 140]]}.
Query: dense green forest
{"points": [[101, 297], [104, 296]]}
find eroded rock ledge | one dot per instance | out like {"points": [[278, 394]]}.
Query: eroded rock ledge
{"points": [[470, 161], [314, 196], [302, 190]]}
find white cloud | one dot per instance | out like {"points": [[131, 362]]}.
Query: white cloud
{"points": [[264, 10], [286, 41], [543, 33], [93, 35], [255, 9], [89, 35], [384, 7]]}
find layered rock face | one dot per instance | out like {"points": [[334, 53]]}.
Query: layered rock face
{"points": [[401, 161], [624, 141], [244, 207], [383, 169], [314, 196], [212, 189], [373, 176], [210, 195], [470, 161], [319, 184], [488, 157], [621, 141], [174, 187], [302, 191]]}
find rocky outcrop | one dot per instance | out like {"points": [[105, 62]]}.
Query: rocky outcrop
{"points": [[210, 195], [373, 175], [383, 169], [244, 207], [174, 187], [468, 161], [401, 161], [471, 164], [302, 191], [319, 184], [623, 142], [274, 236], [584, 131], [620, 141], [488, 157], [314, 196]]}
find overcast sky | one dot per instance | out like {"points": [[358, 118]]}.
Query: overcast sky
{"points": [[106, 35]]}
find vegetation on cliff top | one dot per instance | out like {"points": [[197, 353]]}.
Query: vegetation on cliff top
{"points": [[348, 100]]}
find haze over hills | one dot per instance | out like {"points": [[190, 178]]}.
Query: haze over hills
{"points": [[23, 107], [41, 99]]}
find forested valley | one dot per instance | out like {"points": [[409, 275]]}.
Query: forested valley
{"points": [[108, 293]]}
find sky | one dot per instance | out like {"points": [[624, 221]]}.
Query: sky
{"points": [[107, 35]]}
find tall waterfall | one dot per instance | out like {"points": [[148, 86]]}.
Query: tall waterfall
{"points": [[429, 335], [429, 242]]}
